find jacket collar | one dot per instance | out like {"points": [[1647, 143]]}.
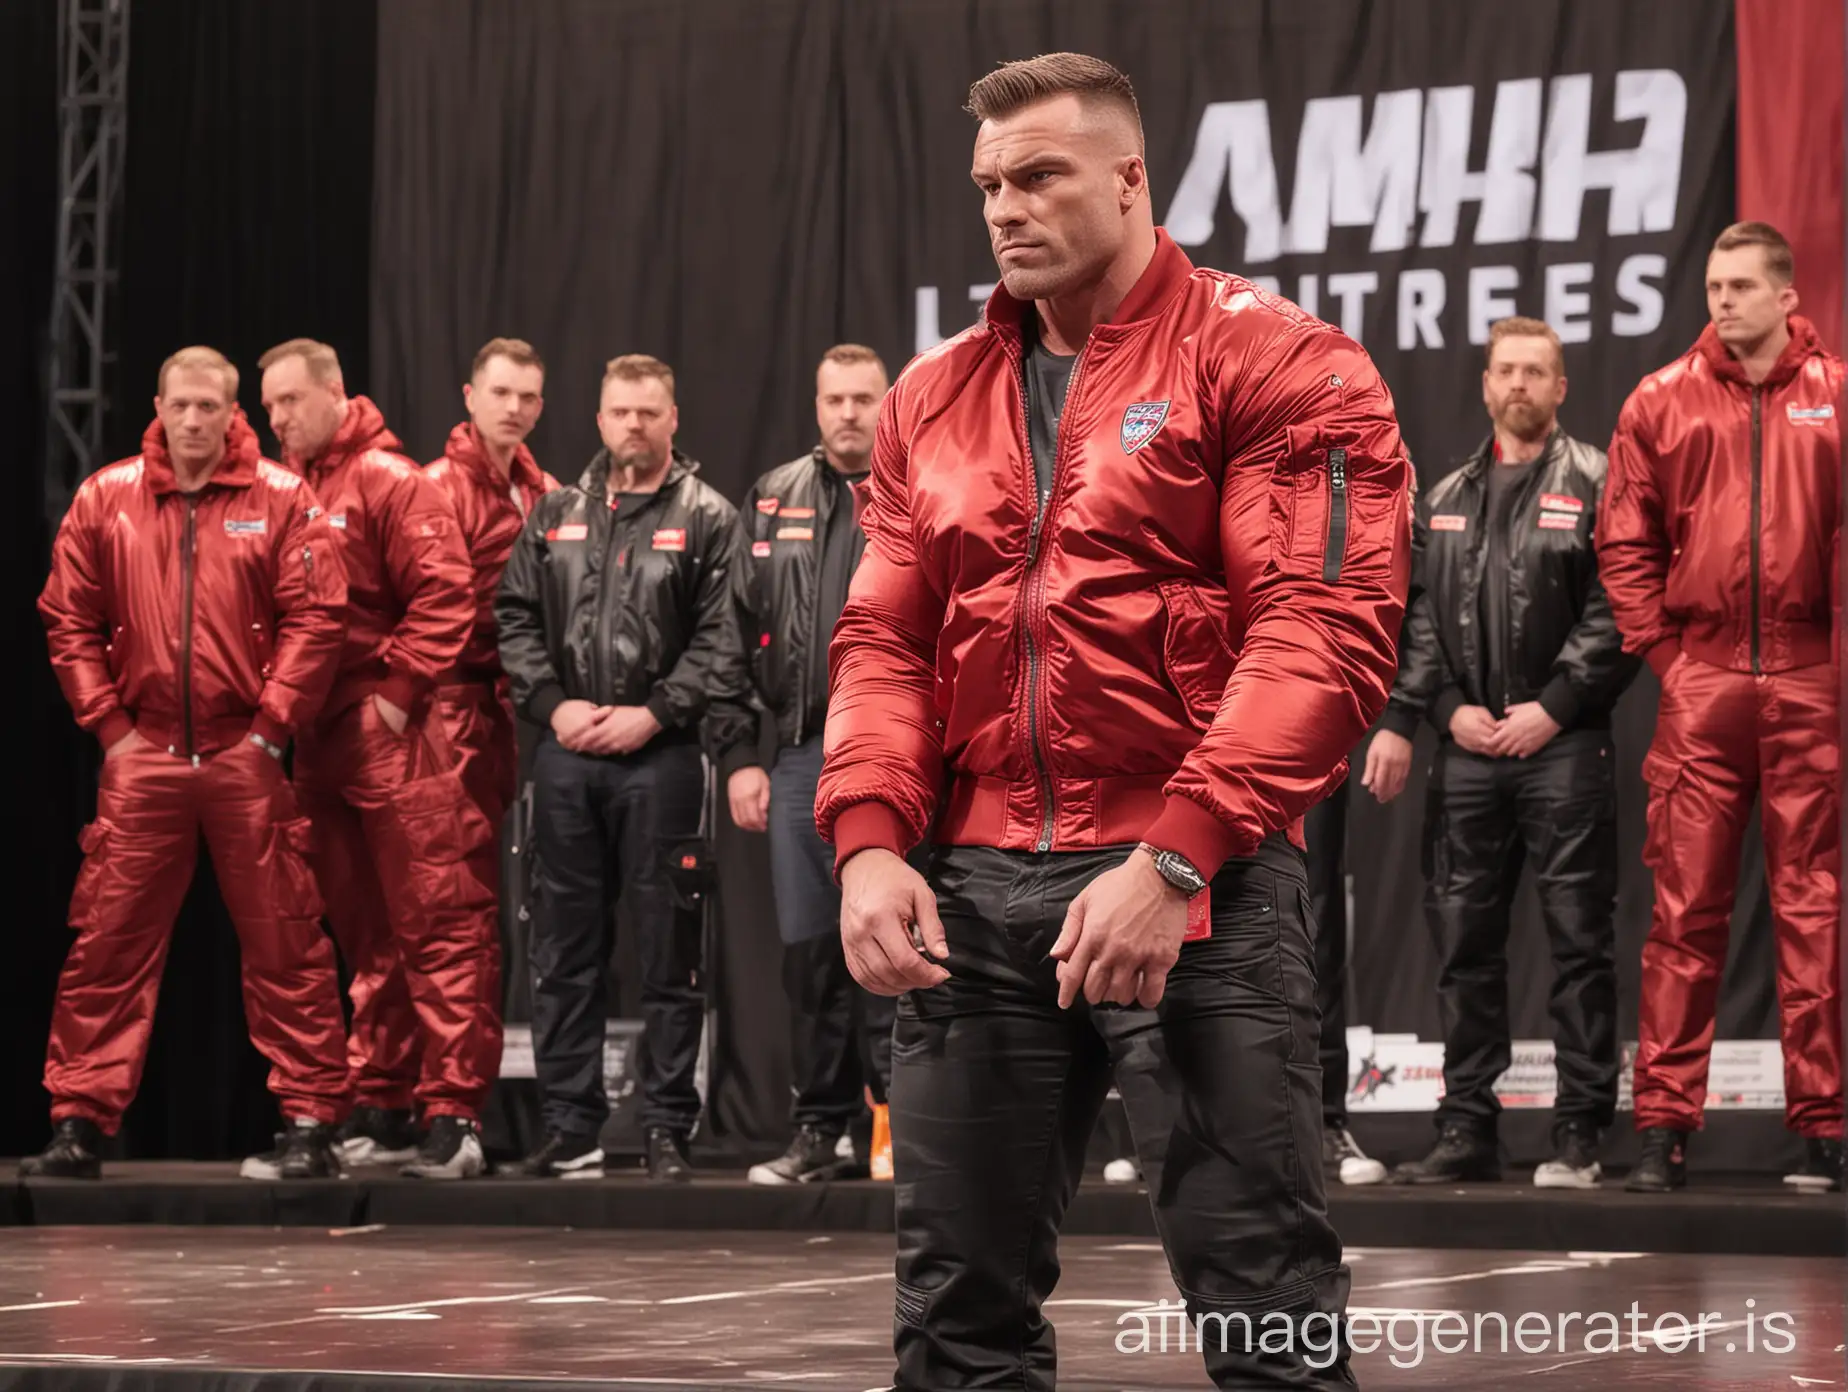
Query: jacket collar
{"points": [[363, 429], [1804, 342], [595, 480], [1488, 453], [1161, 280], [238, 469], [465, 448], [825, 471]]}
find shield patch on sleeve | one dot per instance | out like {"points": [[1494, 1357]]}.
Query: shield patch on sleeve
{"points": [[1140, 422]]}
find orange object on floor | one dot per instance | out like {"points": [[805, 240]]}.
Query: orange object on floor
{"points": [[882, 1142]]}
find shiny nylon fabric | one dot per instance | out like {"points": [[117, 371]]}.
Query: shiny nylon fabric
{"points": [[1220, 572], [490, 523], [1680, 560], [399, 851], [1723, 737], [266, 593], [478, 724], [140, 854], [409, 588]]}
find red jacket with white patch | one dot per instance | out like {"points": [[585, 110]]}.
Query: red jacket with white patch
{"points": [[1721, 523], [1183, 645], [194, 619]]}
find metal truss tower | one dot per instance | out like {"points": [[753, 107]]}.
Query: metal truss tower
{"points": [[92, 135]]}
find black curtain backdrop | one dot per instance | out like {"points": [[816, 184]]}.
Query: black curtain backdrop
{"points": [[247, 220], [653, 177], [734, 186], [42, 781]]}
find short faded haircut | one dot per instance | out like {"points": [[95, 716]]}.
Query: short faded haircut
{"points": [[1517, 327], [1779, 260], [852, 355], [199, 358], [323, 362], [1015, 85], [515, 350], [636, 367]]}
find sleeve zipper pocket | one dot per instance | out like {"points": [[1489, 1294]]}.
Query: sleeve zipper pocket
{"points": [[1336, 547]]}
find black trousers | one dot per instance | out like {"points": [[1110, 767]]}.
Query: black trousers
{"points": [[996, 1091], [604, 826], [1325, 831], [841, 1032], [842, 1036], [1484, 817]]}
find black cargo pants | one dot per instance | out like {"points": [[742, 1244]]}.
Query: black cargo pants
{"points": [[996, 1091], [603, 827]]}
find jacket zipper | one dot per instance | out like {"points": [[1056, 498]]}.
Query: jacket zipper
{"points": [[1035, 597], [600, 634], [1757, 504], [187, 547], [813, 596], [1336, 547]]}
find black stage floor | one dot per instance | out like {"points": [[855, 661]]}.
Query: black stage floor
{"points": [[1716, 1215], [494, 1309]]}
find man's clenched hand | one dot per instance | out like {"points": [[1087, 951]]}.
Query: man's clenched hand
{"points": [[881, 898]]}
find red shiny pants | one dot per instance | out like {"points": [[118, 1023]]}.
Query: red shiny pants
{"points": [[1723, 737], [398, 849], [140, 854]]}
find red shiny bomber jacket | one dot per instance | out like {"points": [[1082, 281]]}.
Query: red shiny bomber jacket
{"points": [[1182, 645]]}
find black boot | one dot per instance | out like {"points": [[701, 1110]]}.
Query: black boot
{"points": [[75, 1152], [1664, 1163], [1822, 1167], [667, 1157], [812, 1155], [1459, 1155]]}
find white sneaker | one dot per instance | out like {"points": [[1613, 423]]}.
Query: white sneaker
{"points": [[1557, 1174], [1122, 1172], [1343, 1159], [1576, 1165], [364, 1150], [377, 1136], [452, 1150]]}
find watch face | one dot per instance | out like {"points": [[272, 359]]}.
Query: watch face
{"points": [[1178, 872]]}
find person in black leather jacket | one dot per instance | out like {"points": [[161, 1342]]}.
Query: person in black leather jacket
{"points": [[620, 637], [1511, 651], [803, 521]]}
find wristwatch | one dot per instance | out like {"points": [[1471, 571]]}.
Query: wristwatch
{"points": [[1176, 869], [275, 751]]}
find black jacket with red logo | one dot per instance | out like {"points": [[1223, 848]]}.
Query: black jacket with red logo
{"points": [[630, 606], [1562, 645], [802, 522]]}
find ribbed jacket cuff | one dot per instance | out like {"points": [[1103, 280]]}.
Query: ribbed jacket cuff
{"points": [[867, 826], [1188, 829]]}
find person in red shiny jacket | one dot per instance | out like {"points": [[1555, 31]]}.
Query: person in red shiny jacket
{"points": [[398, 843], [492, 482], [195, 615], [1719, 545], [1138, 549]]}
